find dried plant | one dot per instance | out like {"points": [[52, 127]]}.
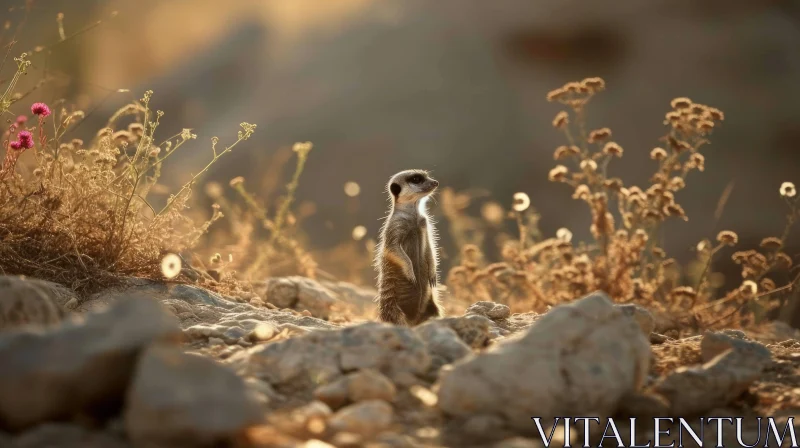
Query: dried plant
{"points": [[77, 213], [625, 259]]}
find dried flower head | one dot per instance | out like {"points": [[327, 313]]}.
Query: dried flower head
{"points": [[613, 149], [589, 165], [771, 243], [555, 95], [594, 84], [787, 189], [521, 202], [582, 191], [658, 154], [599, 135], [697, 161], [748, 289], [681, 103], [302, 147], [564, 234], [728, 238], [171, 266], [558, 174], [40, 109], [561, 120], [236, 181]]}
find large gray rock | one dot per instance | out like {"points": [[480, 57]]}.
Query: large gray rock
{"points": [[32, 302], [735, 365], [365, 418], [577, 359], [301, 294], [182, 400], [205, 315], [79, 366], [323, 356]]}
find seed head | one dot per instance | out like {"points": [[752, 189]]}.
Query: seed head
{"points": [[555, 95], [564, 234], [237, 181], [728, 238], [594, 84], [748, 289], [521, 202], [697, 161], [40, 109], [613, 149], [658, 154], [558, 174], [171, 266], [561, 120], [589, 165], [787, 188], [681, 103], [771, 243], [581, 192], [599, 135]]}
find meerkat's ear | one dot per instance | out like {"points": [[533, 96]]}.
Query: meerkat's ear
{"points": [[395, 189]]}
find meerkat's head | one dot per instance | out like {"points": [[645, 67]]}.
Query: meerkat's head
{"points": [[411, 185]]}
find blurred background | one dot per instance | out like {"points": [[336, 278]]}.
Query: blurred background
{"points": [[453, 86]]}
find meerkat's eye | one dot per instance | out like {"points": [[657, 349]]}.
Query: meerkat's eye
{"points": [[415, 179]]}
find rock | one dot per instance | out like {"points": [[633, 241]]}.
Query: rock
{"points": [[335, 394], [472, 329], [63, 435], [323, 356], [715, 343], [300, 293], [491, 310], [178, 399], [364, 418], [77, 366], [444, 344], [643, 405], [643, 317], [694, 390], [29, 302], [578, 358], [282, 292], [369, 384]]}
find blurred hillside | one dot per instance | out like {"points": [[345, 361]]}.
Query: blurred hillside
{"points": [[454, 86]]}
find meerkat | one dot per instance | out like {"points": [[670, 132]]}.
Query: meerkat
{"points": [[406, 256]]}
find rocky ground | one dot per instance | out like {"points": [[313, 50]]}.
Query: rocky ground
{"points": [[155, 365]]}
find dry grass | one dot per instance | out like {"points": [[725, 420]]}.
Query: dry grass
{"points": [[624, 258], [77, 212]]}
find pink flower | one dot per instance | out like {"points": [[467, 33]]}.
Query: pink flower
{"points": [[22, 119], [25, 139], [40, 109], [15, 145]]}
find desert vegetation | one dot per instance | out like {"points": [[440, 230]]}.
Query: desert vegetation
{"points": [[80, 224]]}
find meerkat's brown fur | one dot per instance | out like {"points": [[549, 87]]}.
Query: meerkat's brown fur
{"points": [[406, 255]]}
